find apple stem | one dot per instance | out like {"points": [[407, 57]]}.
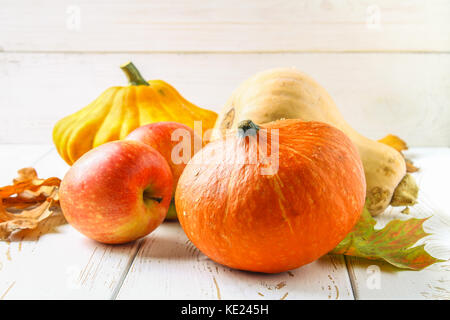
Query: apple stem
{"points": [[147, 196], [156, 199]]}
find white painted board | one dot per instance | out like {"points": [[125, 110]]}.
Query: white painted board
{"points": [[224, 26], [58, 263], [168, 266], [403, 94], [376, 280]]}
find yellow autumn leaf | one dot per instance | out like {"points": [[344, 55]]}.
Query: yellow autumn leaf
{"points": [[394, 142], [27, 202]]}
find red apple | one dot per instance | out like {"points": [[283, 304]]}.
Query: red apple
{"points": [[176, 147], [117, 192]]}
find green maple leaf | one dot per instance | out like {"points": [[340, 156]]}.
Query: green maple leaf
{"points": [[393, 243]]}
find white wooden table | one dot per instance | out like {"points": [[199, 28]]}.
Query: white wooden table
{"points": [[59, 263]]}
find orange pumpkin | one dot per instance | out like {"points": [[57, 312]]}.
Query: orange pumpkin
{"points": [[275, 222]]}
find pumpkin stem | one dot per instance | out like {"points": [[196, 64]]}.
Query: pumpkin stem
{"points": [[247, 128], [133, 74]]}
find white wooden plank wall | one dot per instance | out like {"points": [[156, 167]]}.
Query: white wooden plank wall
{"points": [[224, 26], [404, 94], [386, 63]]}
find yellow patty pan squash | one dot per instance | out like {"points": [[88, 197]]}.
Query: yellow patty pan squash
{"points": [[120, 110]]}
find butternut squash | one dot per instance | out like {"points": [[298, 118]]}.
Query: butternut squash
{"points": [[289, 94]]}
